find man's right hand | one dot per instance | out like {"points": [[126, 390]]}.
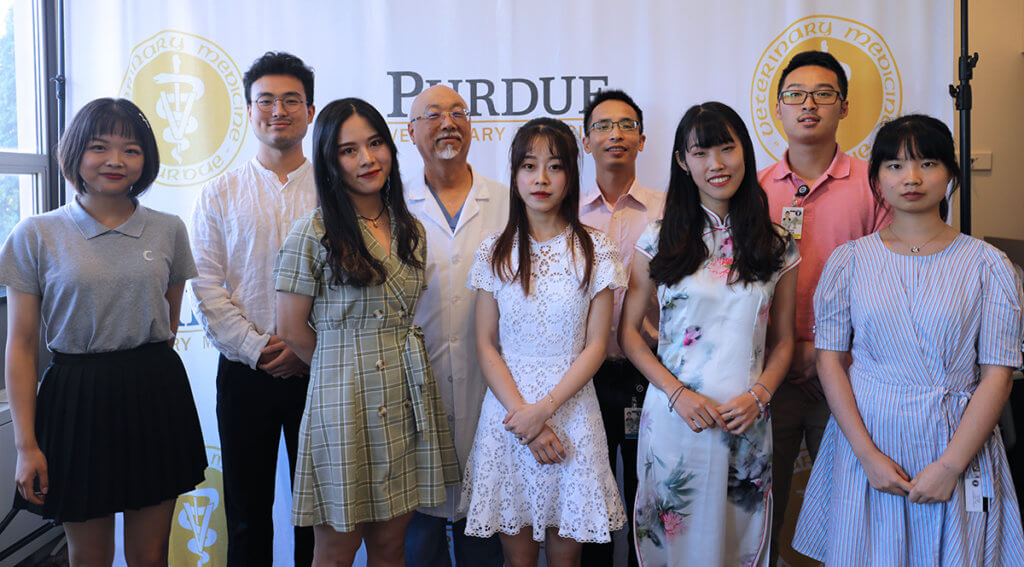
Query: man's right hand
{"points": [[279, 361]]}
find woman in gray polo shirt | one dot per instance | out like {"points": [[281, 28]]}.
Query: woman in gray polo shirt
{"points": [[113, 427]]}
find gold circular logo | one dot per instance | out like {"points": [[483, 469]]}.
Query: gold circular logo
{"points": [[875, 90], [191, 91], [199, 533]]}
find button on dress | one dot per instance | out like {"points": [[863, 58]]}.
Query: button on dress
{"points": [[374, 442]]}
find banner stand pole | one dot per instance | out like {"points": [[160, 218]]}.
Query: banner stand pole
{"points": [[963, 101]]}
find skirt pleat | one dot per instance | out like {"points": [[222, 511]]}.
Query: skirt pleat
{"points": [[119, 431]]}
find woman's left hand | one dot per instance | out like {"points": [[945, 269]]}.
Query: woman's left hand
{"points": [[935, 483], [526, 421], [739, 413]]}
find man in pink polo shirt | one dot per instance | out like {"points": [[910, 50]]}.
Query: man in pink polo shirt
{"points": [[620, 207], [822, 196]]}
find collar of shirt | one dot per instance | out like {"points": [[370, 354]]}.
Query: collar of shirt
{"points": [[716, 222], [293, 175], [91, 228], [417, 191], [838, 169], [637, 195]]}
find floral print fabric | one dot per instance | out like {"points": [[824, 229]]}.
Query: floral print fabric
{"points": [[705, 498]]}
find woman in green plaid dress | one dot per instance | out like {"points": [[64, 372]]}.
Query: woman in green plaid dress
{"points": [[374, 442]]}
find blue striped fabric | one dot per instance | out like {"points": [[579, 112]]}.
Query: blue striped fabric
{"points": [[920, 326]]}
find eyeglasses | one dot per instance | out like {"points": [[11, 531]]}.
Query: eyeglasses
{"points": [[794, 97], [626, 125], [290, 103], [458, 115]]}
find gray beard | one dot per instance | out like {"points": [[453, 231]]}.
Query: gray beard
{"points": [[448, 152]]}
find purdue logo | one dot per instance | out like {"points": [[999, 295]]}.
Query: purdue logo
{"points": [[875, 93], [199, 533], [191, 92]]}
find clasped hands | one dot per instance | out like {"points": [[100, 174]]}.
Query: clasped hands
{"points": [[935, 482], [529, 423], [700, 412]]}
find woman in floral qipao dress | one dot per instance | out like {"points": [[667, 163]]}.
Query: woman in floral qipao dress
{"points": [[722, 270]]}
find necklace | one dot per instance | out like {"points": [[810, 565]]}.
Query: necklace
{"points": [[373, 221], [916, 249]]}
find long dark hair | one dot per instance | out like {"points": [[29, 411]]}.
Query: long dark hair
{"points": [[561, 142], [758, 247], [347, 254], [919, 137]]}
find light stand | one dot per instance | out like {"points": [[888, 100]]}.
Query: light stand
{"points": [[962, 95]]}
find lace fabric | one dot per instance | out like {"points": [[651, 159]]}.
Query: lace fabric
{"points": [[505, 488]]}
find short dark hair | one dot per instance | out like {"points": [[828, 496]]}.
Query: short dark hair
{"points": [[102, 117], [279, 63], [603, 96], [816, 59], [919, 137]]}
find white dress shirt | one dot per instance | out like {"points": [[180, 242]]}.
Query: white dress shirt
{"points": [[239, 222], [623, 223], [447, 308]]}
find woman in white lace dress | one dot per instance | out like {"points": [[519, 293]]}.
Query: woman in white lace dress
{"points": [[538, 470]]}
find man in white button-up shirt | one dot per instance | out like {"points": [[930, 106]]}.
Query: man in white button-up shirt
{"points": [[618, 205], [458, 208], [239, 223]]}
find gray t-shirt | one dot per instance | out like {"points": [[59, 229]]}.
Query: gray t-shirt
{"points": [[101, 289]]}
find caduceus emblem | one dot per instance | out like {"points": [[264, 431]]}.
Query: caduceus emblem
{"points": [[197, 511], [175, 106]]}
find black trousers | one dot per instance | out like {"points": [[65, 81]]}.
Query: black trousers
{"points": [[619, 385], [253, 408]]}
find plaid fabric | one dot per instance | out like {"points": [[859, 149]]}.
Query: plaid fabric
{"points": [[374, 442]]}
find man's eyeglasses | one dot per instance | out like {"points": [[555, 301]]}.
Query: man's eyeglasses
{"points": [[458, 115], [625, 125], [794, 97], [290, 103]]}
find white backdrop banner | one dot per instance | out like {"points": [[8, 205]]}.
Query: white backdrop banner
{"points": [[182, 63]]}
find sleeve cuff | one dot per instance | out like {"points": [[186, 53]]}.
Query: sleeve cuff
{"points": [[251, 347]]}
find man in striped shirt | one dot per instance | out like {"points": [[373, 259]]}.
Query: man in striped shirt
{"points": [[622, 208]]}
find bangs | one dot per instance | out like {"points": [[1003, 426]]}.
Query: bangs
{"points": [[709, 129], [555, 143], [911, 140], [112, 122]]}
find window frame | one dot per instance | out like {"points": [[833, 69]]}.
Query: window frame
{"points": [[48, 71]]}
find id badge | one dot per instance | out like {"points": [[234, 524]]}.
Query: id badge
{"points": [[972, 489], [632, 422], [793, 220]]}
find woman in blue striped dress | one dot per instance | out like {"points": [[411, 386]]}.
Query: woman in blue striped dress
{"points": [[912, 470]]}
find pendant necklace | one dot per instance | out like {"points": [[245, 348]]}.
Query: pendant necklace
{"points": [[915, 249], [374, 220]]}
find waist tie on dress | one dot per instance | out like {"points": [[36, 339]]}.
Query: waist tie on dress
{"points": [[953, 403], [414, 359]]}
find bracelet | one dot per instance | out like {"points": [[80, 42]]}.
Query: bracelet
{"points": [[552, 400], [760, 406], [766, 390], [674, 396]]}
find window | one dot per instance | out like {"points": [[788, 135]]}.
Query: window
{"points": [[27, 177]]}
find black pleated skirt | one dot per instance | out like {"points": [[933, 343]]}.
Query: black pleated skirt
{"points": [[119, 431]]}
